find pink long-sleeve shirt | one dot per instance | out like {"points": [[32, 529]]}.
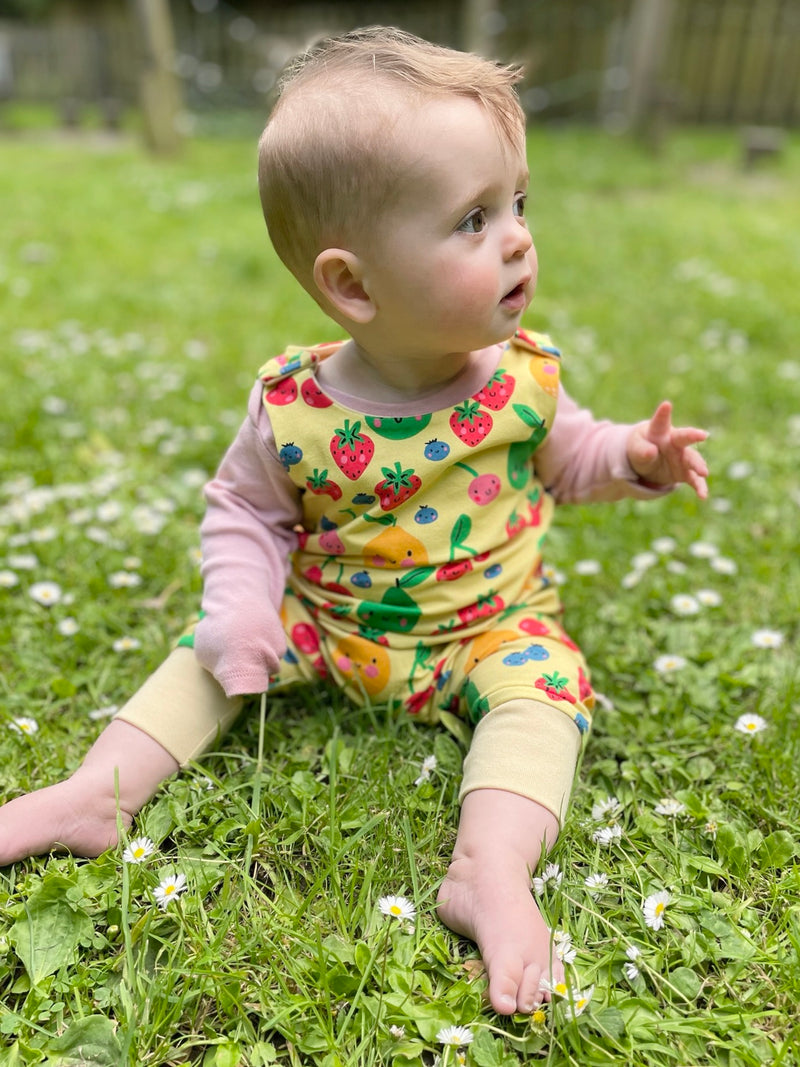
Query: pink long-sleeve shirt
{"points": [[253, 510]]}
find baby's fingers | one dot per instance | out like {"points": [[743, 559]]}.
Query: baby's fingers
{"points": [[683, 436]]}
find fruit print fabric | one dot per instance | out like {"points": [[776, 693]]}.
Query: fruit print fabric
{"points": [[424, 525], [467, 676]]}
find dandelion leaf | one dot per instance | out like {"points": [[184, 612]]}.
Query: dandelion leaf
{"points": [[778, 848], [89, 1042], [488, 1051], [46, 937]]}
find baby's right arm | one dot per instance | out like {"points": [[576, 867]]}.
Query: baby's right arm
{"points": [[247, 537]]}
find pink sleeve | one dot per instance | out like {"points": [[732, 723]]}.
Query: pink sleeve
{"points": [[247, 537], [585, 460]]}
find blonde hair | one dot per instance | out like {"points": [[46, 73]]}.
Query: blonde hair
{"points": [[327, 163]]}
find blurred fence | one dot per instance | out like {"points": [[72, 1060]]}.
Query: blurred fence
{"points": [[723, 61]]}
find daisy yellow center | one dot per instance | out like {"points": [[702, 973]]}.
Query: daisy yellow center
{"points": [[539, 1017], [581, 1003], [750, 725], [138, 852], [560, 988], [659, 907], [395, 909], [169, 889]]}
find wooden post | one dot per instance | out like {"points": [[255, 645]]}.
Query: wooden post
{"points": [[477, 17], [158, 83], [647, 48]]}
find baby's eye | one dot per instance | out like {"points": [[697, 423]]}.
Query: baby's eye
{"points": [[519, 205], [475, 222]]}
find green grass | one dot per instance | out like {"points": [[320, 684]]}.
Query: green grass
{"points": [[137, 299]]}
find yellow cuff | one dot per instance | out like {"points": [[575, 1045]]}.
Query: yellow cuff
{"points": [[182, 707], [528, 748]]}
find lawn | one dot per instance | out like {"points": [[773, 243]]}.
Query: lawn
{"points": [[137, 300]]}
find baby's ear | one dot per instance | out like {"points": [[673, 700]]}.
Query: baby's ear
{"points": [[338, 275]]}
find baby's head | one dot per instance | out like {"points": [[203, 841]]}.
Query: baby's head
{"points": [[332, 157]]}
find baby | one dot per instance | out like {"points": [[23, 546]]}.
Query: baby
{"points": [[379, 519]]}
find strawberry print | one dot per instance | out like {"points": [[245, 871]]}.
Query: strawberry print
{"points": [[283, 393], [469, 423], [313, 395], [351, 449], [555, 685], [398, 485], [484, 606], [319, 483], [497, 391]]}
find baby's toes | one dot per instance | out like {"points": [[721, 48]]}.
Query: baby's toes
{"points": [[505, 974], [529, 993]]}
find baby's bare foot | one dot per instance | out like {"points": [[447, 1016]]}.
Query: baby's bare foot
{"points": [[66, 817], [489, 901]]}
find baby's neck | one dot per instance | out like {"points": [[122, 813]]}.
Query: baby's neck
{"points": [[351, 372]]}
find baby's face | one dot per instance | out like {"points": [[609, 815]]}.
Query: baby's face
{"points": [[451, 265]]}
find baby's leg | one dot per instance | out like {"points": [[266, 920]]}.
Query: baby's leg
{"points": [[532, 749], [174, 717]]}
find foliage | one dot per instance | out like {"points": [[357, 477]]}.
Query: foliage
{"points": [[136, 302]]}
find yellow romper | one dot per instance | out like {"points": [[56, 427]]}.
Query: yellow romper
{"points": [[418, 577]]}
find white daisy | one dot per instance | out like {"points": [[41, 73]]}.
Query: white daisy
{"points": [[643, 561], [68, 627], [587, 566], [767, 638], [708, 598], [669, 806], [124, 580], [723, 565], [126, 644], [23, 724], [664, 545], [45, 593], [428, 766], [169, 889], [631, 579], [138, 850], [740, 470], [551, 874], [750, 724], [630, 968], [565, 950], [8, 580], [684, 604], [677, 566], [608, 810], [668, 663], [579, 1001], [703, 550], [558, 989], [104, 713], [596, 883], [397, 1032], [607, 835], [397, 908], [24, 562], [454, 1036], [654, 907]]}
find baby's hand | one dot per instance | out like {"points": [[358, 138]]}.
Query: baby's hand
{"points": [[661, 453]]}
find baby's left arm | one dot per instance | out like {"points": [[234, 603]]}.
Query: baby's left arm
{"points": [[662, 454]]}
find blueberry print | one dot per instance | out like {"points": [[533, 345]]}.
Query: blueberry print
{"points": [[425, 515], [437, 450], [494, 571], [290, 454], [361, 579]]}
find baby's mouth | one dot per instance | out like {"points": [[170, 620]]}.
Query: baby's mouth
{"points": [[516, 295]]}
